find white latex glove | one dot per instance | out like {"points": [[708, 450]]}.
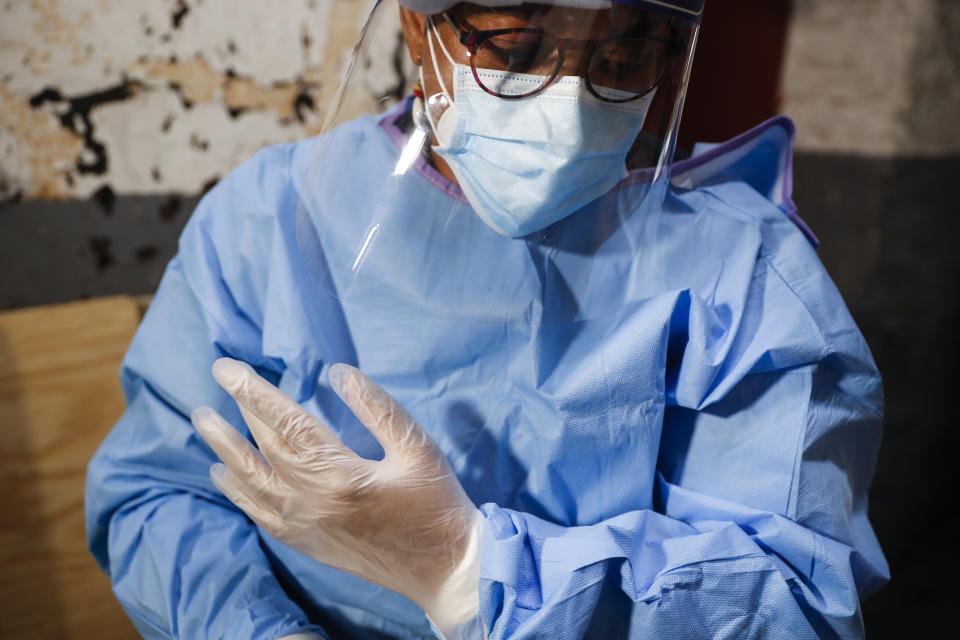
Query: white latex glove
{"points": [[403, 523]]}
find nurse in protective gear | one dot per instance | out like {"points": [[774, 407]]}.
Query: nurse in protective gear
{"points": [[491, 364]]}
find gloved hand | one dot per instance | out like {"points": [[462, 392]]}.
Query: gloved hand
{"points": [[403, 523]]}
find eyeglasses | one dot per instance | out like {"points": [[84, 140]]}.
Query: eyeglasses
{"points": [[621, 69]]}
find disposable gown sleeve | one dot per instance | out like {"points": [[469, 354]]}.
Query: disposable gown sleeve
{"points": [[184, 562], [759, 526]]}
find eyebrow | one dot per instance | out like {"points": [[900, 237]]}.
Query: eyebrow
{"points": [[644, 23], [522, 12]]}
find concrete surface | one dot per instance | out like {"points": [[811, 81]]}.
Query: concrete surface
{"points": [[874, 77]]}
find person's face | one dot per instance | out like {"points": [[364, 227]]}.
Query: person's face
{"points": [[583, 28]]}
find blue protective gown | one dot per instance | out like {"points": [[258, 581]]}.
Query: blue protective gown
{"points": [[696, 467]]}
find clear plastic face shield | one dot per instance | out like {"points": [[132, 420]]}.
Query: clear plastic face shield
{"points": [[515, 182]]}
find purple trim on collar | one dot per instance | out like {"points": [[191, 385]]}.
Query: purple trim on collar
{"points": [[424, 168], [434, 177], [789, 207], [636, 177]]}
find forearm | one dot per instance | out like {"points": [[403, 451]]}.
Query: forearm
{"points": [[184, 567], [184, 562]]}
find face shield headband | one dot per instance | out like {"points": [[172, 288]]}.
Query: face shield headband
{"points": [[689, 10]]}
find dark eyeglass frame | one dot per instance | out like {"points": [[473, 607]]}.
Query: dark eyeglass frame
{"points": [[472, 39]]}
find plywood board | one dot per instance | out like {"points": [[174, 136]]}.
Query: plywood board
{"points": [[59, 396]]}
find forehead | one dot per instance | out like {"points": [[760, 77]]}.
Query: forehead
{"points": [[563, 21]]}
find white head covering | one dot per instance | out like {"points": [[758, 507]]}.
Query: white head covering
{"points": [[691, 9]]}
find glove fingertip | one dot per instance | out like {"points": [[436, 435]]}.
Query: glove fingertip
{"points": [[217, 471], [338, 375], [201, 416], [229, 373]]}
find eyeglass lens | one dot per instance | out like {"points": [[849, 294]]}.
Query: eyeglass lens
{"points": [[619, 70]]}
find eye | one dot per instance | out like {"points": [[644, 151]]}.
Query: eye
{"points": [[517, 52], [628, 63], [621, 66]]}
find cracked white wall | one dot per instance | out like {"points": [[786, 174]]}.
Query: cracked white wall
{"points": [[175, 92]]}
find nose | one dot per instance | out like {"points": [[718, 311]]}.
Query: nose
{"points": [[575, 56]]}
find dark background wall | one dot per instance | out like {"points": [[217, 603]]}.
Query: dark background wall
{"points": [[888, 230], [875, 90]]}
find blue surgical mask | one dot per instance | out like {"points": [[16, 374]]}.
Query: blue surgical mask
{"points": [[525, 164]]}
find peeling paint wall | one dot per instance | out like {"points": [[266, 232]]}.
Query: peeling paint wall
{"points": [[166, 96]]}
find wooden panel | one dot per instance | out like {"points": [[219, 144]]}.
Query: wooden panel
{"points": [[59, 396]]}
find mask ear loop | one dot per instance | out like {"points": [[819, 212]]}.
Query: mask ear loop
{"points": [[443, 47], [436, 68]]}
